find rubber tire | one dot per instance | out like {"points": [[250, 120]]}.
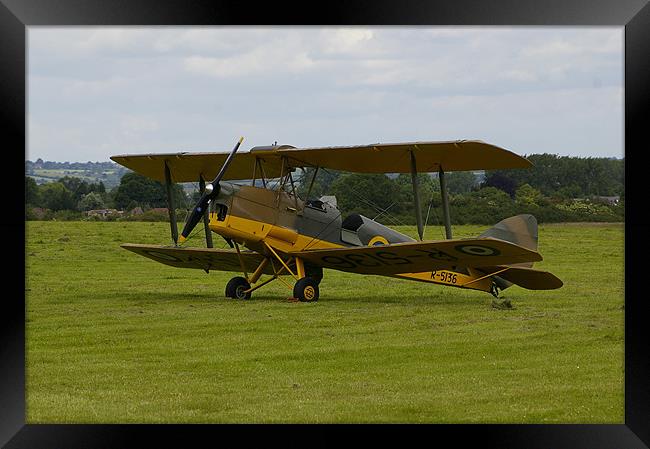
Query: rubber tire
{"points": [[316, 273], [306, 290], [236, 286]]}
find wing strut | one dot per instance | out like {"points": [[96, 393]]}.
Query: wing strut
{"points": [[416, 195], [170, 204], [445, 202], [206, 216]]}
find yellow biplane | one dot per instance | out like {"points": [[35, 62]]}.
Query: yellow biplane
{"points": [[285, 235]]}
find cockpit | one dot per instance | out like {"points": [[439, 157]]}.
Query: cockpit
{"points": [[316, 204]]}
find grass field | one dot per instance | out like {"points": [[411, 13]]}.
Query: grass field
{"points": [[114, 337]]}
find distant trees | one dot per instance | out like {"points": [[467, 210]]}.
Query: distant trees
{"points": [[75, 194], [91, 201], [501, 181], [55, 196], [372, 194], [32, 194], [367, 194], [485, 206], [66, 194], [556, 188], [321, 185], [526, 196], [428, 189], [460, 181], [135, 189], [48, 171], [79, 188], [564, 176]]}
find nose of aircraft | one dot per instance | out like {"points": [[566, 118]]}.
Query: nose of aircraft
{"points": [[211, 191]]}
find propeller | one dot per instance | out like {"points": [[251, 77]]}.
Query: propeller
{"points": [[211, 191]]}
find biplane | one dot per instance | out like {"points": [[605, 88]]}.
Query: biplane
{"points": [[273, 232]]}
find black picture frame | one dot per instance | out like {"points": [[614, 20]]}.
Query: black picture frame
{"points": [[634, 15]]}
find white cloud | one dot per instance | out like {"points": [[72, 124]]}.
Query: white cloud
{"points": [[95, 88], [346, 40], [136, 124], [248, 64], [519, 75], [102, 91]]}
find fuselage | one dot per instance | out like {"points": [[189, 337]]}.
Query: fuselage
{"points": [[252, 215], [255, 217]]}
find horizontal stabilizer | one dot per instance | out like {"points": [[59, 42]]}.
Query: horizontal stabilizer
{"points": [[526, 277]]}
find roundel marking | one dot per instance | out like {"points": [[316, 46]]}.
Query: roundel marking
{"points": [[163, 256], [477, 250], [378, 240]]}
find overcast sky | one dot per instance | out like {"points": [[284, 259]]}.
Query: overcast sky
{"points": [[94, 92]]}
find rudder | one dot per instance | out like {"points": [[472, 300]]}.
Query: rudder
{"points": [[520, 230]]}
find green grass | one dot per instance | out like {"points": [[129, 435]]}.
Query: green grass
{"points": [[114, 337]]}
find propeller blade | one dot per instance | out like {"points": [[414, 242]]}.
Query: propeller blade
{"points": [[195, 217], [211, 191], [227, 163]]}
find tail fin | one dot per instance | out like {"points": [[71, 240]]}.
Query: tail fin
{"points": [[520, 230]]}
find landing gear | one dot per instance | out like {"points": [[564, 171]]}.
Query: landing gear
{"points": [[494, 289], [306, 290], [316, 273], [236, 288], [307, 278]]}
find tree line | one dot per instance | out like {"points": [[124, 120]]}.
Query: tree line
{"points": [[88, 166], [564, 176], [70, 197], [555, 189]]}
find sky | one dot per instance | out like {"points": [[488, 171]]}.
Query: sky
{"points": [[94, 92]]}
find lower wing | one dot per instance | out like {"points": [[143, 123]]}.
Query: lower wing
{"points": [[203, 258], [413, 257]]}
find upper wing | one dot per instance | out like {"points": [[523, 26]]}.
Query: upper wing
{"points": [[187, 167], [204, 258], [413, 257], [458, 155]]}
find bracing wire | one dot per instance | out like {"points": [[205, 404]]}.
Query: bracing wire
{"points": [[384, 211], [426, 221], [394, 220]]}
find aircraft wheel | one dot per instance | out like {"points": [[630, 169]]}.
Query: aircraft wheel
{"points": [[316, 273], [236, 287], [306, 290]]}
